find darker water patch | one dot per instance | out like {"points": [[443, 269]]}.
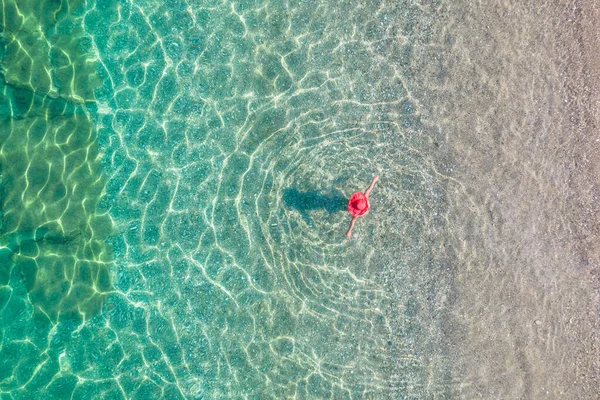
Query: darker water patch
{"points": [[53, 242]]}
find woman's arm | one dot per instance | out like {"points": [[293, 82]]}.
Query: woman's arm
{"points": [[368, 191], [349, 233]]}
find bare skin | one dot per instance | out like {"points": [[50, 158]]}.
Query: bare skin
{"points": [[367, 193]]}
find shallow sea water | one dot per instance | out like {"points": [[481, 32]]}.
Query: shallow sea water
{"points": [[174, 183]]}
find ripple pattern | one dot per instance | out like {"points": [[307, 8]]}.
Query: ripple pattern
{"points": [[54, 260], [232, 134]]}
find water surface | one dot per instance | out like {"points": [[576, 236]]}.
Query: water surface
{"points": [[174, 179]]}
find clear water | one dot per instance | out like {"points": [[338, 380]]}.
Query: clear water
{"points": [[174, 183]]}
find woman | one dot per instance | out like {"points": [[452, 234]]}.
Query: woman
{"points": [[359, 205]]}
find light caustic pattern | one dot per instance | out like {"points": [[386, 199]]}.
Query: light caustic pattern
{"points": [[232, 135], [54, 262]]}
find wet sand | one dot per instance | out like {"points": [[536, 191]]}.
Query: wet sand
{"points": [[524, 196], [586, 190]]}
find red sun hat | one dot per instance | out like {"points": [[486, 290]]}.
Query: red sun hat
{"points": [[358, 204]]}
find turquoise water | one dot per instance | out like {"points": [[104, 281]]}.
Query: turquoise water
{"points": [[174, 178]]}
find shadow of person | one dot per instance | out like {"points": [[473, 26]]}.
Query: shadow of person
{"points": [[303, 202]]}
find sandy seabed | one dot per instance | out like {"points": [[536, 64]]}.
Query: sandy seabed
{"points": [[506, 94], [522, 126]]}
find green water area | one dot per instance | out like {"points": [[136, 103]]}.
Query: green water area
{"points": [[174, 178]]}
